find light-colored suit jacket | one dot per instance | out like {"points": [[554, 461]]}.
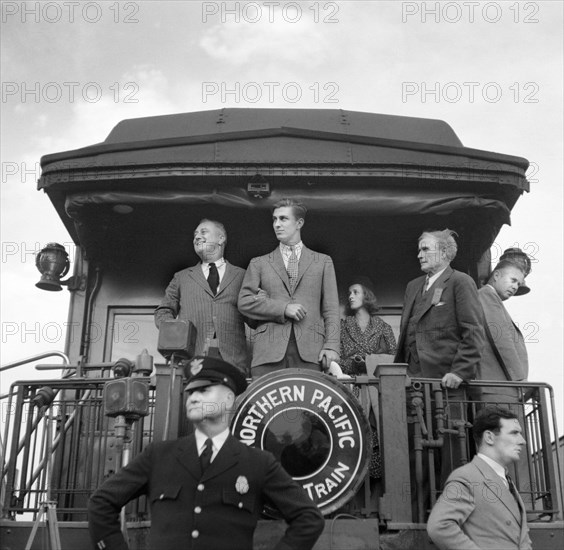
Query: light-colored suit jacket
{"points": [[450, 335], [507, 339], [315, 289], [189, 297], [476, 511]]}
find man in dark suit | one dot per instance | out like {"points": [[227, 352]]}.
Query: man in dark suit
{"points": [[206, 295], [479, 508], [292, 294], [207, 490], [504, 356], [441, 336], [441, 333]]}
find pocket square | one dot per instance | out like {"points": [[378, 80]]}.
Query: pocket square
{"points": [[440, 304], [437, 297]]}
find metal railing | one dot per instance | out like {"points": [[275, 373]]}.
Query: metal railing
{"points": [[440, 422], [85, 449], [424, 434]]}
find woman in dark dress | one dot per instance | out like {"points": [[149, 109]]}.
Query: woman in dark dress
{"points": [[364, 333]]}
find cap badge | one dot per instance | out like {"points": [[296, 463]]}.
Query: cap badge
{"points": [[196, 366], [242, 485]]}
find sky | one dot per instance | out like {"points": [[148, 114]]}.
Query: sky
{"points": [[71, 71]]}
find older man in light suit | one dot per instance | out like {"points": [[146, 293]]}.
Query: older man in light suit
{"points": [[479, 508], [292, 294], [504, 356], [206, 295]]}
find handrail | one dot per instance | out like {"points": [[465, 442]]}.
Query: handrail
{"points": [[43, 355], [63, 356]]}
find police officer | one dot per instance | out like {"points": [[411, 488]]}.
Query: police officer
{"points": [[207, 490]]}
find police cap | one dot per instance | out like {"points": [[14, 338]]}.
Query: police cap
{"points": [[209, 371]]}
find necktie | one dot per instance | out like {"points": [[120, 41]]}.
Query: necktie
{"points": [[426, 284], [213, 278], [292, 268], [511, 485], [205, 457]]}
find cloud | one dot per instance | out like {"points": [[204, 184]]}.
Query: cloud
{"points": [[141, 92], [263, 42]]}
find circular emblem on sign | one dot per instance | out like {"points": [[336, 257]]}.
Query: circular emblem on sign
{"points": [[314, 426]]}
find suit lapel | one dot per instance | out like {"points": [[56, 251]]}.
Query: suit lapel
{"points": [[227, 279], [439, 283], [187, 455], [497, 487], [306, 259], [503, 494], [198, 276], [407, 307], [416, 289], [277, 263], [227, 457]]}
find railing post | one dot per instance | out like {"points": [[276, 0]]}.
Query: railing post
{"points": [[395, 504], [12, 461], [163, 402], [552, 502]]}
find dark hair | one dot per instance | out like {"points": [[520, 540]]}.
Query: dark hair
{"points": [[488, 419], [369, 302], [298, 209]]}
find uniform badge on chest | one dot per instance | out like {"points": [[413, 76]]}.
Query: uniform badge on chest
{"points": [[242, 485]]}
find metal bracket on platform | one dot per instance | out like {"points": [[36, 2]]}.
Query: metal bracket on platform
{"points": [[49, 508]]}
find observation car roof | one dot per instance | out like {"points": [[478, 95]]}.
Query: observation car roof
{"points": [[337, 161]]}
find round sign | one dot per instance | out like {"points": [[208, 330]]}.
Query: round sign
{"points": [[314, 426]]}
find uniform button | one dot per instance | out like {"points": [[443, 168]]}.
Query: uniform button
{"points": [[161, 496], [195, 534], [200, 487], [240, 505], [197, 510]]}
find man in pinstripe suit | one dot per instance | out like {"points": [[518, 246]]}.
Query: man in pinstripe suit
{"points": [[206, 295]]}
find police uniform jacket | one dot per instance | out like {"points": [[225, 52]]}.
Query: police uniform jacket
{"points": [[216, 510]]}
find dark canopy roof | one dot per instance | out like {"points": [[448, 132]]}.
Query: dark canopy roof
{"points": [[339, 162]]}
